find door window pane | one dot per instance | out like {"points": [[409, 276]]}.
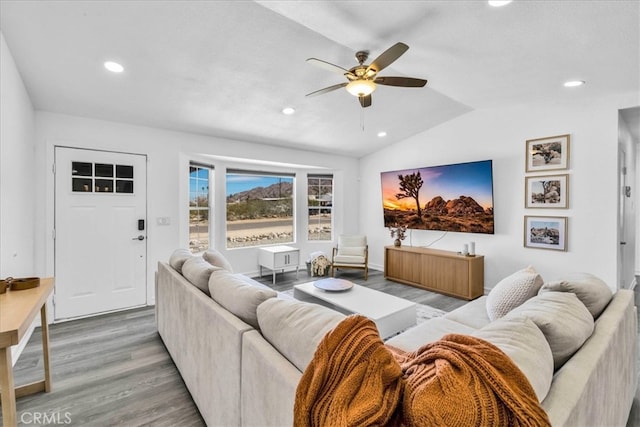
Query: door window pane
{"points": [[104, 186], [124, 186], [123, 171], [82, 185], [104, 170], [81, 169]]}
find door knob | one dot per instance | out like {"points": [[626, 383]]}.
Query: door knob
{"points": [[140, 237]]}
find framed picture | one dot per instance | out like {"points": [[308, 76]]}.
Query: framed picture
{"points": [[547, 191], [545, 232], [550, 153]]}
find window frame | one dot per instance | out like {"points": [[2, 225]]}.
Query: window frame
{"points": [[209, 194], [320, 207]]}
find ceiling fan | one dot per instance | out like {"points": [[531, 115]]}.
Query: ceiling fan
{"points": [[363, 78]]}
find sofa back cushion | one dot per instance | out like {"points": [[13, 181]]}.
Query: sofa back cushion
{"points": [[521, 340], [178, 258], [197, 271], [592, 291], [512, 291], [295, 328], [563, 319], [238, 296], [214, 257]]}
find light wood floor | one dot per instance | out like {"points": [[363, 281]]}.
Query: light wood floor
{"points": [[113, 370]]}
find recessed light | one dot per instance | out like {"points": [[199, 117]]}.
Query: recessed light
{"points": [[499, 3], [382, 134], [288, 111], [114, 67], [574, 83]]}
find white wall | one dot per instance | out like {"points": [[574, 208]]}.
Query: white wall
{"points": [[168, 155], [500, 135], [17, 181]]}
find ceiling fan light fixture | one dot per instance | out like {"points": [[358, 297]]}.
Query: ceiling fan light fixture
{"points": [[499, 3], [574, 83], [287, 111], [361, 87], [114, 67]]}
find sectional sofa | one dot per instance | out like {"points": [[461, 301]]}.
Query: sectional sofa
{"points": [[241, 347]]}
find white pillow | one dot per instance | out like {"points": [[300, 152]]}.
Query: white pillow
{"points": [[592, 291], [178, 258], [521, 340], [214, 257], [197, 271], [238, 296], [295, 328], [563, 319], [512, 291]]}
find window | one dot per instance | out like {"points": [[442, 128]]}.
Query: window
{"points": [[99, 178], [199, 234], [260, 208], [320, 203]]}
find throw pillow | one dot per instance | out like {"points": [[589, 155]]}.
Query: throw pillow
{"points": [[521, 340], [592, 291], [197, 271], [214, 257], [295, 328], [178, 257], [563, 319], [238, 296], [512, 291]]}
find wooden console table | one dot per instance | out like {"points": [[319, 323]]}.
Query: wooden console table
{"points": [[440, 271], [18, 310]]}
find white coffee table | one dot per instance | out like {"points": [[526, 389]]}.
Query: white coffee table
{"points": [[390, 314]]}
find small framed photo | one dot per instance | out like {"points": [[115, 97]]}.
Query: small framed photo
{"points": [[545, 232], [547, 191], [544, 154]]}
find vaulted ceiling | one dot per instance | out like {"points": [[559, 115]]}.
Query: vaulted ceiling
{"points": [[227, 68]]}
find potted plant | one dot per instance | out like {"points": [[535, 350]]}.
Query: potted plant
{"points": [[398, 231]]}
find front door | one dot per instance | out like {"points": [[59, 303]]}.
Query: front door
{"points": [[100, 231]]}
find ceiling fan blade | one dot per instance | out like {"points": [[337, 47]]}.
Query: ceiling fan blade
{"points": [[388, 56], [328, 66], [401, 81], [365, 101], [327, 89]]}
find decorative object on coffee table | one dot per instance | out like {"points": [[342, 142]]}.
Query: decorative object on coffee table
{"points": [[333, 285]]}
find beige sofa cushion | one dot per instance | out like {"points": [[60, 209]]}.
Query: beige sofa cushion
{"points": [[178, 258], [512, 291], [214, 257], [592, 291], [197, 271], [426, 332], [238, 296], [563, 319], [295, 328], [472, 314], [521, 340]]}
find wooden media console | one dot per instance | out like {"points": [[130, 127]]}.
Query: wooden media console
{"points": [[440, 271]]}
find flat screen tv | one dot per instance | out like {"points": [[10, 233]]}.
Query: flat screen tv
{"points": [[456, 197]]}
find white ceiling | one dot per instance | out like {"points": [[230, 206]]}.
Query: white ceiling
{"points": [[227, 68]]}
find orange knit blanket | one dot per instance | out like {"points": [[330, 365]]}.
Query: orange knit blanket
{"points": [[355, 380]]}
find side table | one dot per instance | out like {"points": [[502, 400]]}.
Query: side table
{"points": [[278, 258], [18, 310]]}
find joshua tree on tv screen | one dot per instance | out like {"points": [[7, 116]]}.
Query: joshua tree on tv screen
{"points": [[455, 197], [410, 186]]}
